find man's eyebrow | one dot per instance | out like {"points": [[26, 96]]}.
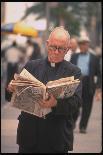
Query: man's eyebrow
{"points": [[57, 46]]}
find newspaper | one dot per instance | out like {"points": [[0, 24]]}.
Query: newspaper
{"points": [[30, 92]]}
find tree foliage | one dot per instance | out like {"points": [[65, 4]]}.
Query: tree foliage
{"points": [[73, 14], [63, 10]]}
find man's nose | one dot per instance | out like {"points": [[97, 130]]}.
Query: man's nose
{"points": [[56, 51]]}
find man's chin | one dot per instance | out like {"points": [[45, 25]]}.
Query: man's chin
{"points": [[54, 61]]}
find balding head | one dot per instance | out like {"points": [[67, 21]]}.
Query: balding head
{"points": [[58, 44], [73, 44], [60, 34]]}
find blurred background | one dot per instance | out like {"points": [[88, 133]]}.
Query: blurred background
{"points": [[25, 26]]}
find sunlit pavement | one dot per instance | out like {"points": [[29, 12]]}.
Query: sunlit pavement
{"points": [[83, 143], [8, 129], [91, 142]]}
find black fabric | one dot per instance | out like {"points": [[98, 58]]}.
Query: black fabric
{"points": [[11, 70], [87, 103], [35, 150], [55, 133]]}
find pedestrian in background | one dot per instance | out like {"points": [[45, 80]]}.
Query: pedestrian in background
{"points": [[73, 48], [33, 50], [12, 56], [89, 65]]}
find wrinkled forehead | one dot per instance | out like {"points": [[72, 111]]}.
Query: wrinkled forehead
{"points": [[73, 41]]}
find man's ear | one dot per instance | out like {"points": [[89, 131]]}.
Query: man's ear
{"points": [[47, 42]]}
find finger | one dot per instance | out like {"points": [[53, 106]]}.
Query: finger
{"points": [[53, 100], [51, 96], [45, 106], [9, 88], [48, 103], [41, 103]]}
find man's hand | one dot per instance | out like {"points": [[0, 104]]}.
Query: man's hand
{"points": [[11, 88], [98, 95], [51, 102]]}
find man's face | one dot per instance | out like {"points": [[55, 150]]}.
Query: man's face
{"points": [[73, 44], [57, 48], [84, 46]]}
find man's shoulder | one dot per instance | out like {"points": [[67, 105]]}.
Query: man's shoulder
{"points": [[35, 62]]}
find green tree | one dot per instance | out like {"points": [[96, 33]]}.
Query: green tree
{"points": [[60, 14], [71, 15], [94, 21]]}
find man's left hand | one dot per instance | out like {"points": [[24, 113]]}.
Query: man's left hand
{"points": [[98, 95], [49, 103]]}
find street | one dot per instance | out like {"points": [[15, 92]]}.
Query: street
{"points": [[83, 143]]}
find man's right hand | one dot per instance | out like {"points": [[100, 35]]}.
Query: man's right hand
{"points": [[11, 88]]}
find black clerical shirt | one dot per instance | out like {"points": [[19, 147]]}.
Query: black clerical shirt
{"points": [[55, 132]]}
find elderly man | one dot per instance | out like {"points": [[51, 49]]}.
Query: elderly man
{"points": [[73, 48], [54, 134], [89, 65]]}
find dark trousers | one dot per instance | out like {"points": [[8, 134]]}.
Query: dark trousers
{"points": [[27, 150], [87, 102], [35, 150], [75, 117]]}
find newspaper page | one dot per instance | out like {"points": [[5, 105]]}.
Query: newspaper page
{"points": [[28, 98], [30, 92], [63, 88], [30, 77]]}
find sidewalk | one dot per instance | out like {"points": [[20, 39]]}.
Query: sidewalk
{"points": [[91, 142], [8, 129], [83, 143]]}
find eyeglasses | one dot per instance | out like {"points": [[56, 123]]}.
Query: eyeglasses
{"points": [[54, 48]]}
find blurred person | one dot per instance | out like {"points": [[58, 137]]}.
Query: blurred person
{"points": [[2, 81], [89, 65], [23, 59], [12, 56], [54, 133], [33, 50], [73, 48], [98, 50]]}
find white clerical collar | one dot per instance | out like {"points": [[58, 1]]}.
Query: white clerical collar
{"points": [[52, 64]]}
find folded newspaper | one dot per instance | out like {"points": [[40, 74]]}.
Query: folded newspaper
{"points": [[30, 92]]}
